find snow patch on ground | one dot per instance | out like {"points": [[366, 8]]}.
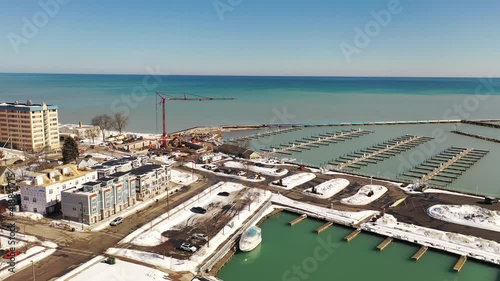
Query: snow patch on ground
{"points": [[431, 190], [469, 215], [200, 168], [4, 241], [97, 270], [294, 180], [29, 215], [261, 170], [180, 177], [362, 196], [343, 217], [460, 244], [19, 236], [328, 189], [154, 259], [49, 244], [23, 260]]}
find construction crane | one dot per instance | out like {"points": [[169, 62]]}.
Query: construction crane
{"points": [[184, 98]]}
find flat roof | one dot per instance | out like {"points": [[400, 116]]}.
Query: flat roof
{"points": [[25, 106]]}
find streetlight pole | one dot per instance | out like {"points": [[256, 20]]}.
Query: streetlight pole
{"points": [[81, 210], [33, 269]]}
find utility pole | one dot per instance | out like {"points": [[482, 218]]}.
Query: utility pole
{"points": [[33, 269]]}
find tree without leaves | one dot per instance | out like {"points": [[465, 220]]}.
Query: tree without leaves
{"points": [[2, 155], [92, 133], [104, 122], [70, 150], [120, 121]]}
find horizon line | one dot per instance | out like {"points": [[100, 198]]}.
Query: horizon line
{"points": [[249, 75]]}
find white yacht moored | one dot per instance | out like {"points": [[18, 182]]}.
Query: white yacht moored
{"points": [[250, 239]]}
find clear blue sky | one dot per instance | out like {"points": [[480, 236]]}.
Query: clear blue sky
{"points": [[258, 37]]}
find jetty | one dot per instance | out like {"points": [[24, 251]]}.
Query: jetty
{"points": [[420, 253], [481, 123], [352, 235], [460, 263], [481, 137], [307, 143], [385, 243], [446, 166], [323, 227], [263, 135], [379, 152], [297, 220]]}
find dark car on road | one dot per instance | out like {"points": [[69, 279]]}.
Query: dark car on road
{"points": [[223, 193], [198, 210]]}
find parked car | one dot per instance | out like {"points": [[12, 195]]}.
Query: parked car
{"points": [[223, 193], [259, 165], [200, 236], [187, 247], [242, 173], [116, 221], [11, 254], [198, 210]]}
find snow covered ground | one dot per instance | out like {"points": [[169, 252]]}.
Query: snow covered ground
{"points": [[180, 177], [4, 241], [328, 189], [152, 237], [362, 198], [469, 215], [200, 168], [23, 260], [294, 180], [97, 270], [431, 190], [460, 244], [343, 217], [29, 215], [261, 170]]}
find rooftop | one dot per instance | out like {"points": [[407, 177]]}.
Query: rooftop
{"points": [[25, 106], [58, 177]]}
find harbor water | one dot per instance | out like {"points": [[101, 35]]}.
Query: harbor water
{"points": [[298, 253]]}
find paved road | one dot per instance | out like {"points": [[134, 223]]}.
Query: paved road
{"points": [[77, 248]]}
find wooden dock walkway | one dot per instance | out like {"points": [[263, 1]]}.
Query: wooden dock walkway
{"points": [[385, 243], [352, 235], [481, 137], [420, 253], [298, 219], [445, 165], [323, 227], [460, 263], [314, 141]]}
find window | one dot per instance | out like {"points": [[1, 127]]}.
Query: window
{"points": [[26, 198], [34, 201], [74, 208], [51, 191]]}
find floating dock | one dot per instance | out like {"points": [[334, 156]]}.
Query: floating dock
{"points": [[323, 227], [420, 253], [262, 135], [352, 235], [385, 243], [446, 166], [379, 152], [460, 263], [297, 220], [481, 137], [308, 143]]}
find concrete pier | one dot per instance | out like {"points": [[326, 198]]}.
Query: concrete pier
{"points": [[352, 235], [298, 219], [385, 243], [323, 227], [481, 137], [420, 253], [460, 263]]}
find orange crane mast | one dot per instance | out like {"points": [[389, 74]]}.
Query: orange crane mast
{"points": [[184, 98]]}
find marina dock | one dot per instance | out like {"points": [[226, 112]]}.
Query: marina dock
{"points": [[420, 253], [352, 235], [307, 143], [385, 243], [460, 263], [481, 123], [263, 135], [323, 227], [446, 166], [378, 152], [481, 137], [297, 220]]}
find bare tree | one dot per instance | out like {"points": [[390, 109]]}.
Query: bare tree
{"points": [[2, 155], [120, 121], [104, 122], [92, 133]]}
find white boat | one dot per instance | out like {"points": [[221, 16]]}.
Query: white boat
{"points": [[250, 239]]}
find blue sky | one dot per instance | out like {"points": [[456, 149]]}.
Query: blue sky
{"points": [[254, 37]]}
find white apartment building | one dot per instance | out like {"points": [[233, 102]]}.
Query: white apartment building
{"points": [[28, 126], [42, 193]]}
